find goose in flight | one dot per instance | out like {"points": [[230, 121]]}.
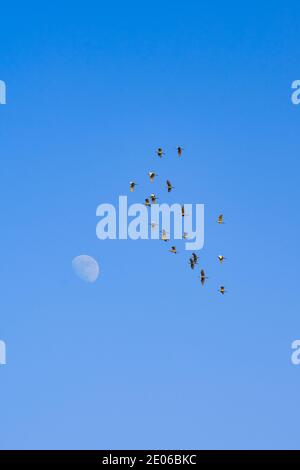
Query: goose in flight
{"points": [[195, 258], [152, 175], [132, 185], [202, 277], [153, 225], [153, 198], [183, 213], [160, 152], [164, 236], [169, 186], [192, 262]]}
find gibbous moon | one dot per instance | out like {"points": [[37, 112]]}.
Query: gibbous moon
{"points": [[86, 268]]}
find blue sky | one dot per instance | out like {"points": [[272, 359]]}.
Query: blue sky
{"points": [[145, 357]]}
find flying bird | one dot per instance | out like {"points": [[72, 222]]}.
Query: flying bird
{"points": [[221, 258], [152, 175], [173, 250], [132, 185], [192, 262], [179, 151], [220, 219], [153, 198], [185, 236], [202, 277], [164, 236], [195, 258], [160, 152], [222, 290], [169, 186], [183, 211], [147, 202]]}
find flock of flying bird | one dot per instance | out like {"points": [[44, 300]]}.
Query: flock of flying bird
{"points": [[193, 260]]}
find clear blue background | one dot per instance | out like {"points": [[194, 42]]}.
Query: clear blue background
{"points": [[146, 357]]}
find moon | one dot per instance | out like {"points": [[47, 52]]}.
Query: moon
{"points": [[86, 268]]}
